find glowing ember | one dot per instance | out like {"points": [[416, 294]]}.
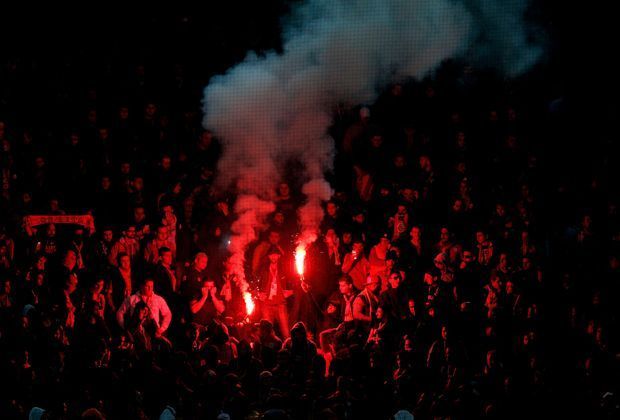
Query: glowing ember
{"points": [[300, 256], [249, 303]]}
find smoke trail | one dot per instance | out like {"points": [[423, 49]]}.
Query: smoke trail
{"points": [[272, 108], [310, 215], [251, 212]]}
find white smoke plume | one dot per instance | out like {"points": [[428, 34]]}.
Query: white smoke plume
{"points": [[272, 108], [310, 215], [251, 213]]}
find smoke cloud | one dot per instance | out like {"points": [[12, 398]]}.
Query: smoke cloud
{"points": [[273, 108], [251, 213]]}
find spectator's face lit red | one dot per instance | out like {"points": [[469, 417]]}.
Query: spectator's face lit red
{"points": [[125, 262], [166, 258], [147, 289]]}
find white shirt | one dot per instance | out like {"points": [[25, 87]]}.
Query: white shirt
{"points": [[159, 311]]}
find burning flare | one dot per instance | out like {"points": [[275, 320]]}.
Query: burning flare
{"points": [[249, 303], [300, 256]]}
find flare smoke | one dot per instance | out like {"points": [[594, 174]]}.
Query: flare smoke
{"points": [[273, 108]]}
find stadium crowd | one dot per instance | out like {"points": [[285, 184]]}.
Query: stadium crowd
{"points": [[453, 276]]}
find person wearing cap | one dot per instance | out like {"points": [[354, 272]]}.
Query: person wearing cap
{"points": [[274, 290], [366, 301], [260, 252]]}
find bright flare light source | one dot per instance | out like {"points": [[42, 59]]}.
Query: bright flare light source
{"points": [[249, 303], [300, 256]]}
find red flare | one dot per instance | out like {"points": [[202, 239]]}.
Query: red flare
{"points": [[300, 256], [249, 303]]}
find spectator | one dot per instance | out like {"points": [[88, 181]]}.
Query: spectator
{"points": [[356, 265], [377, 256], [164, 278], [260, 252], [499, 283], [366, 302], [274, 290], [395, 300], [122, 282], [6, 295], [102, 248], [158, 310], [162, 239], [200, 292], [128, 244]]}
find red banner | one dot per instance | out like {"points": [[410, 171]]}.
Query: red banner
{"points": [[85, 220]]}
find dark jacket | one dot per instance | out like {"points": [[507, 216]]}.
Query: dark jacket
{"points": [[264, 282], [163, 282]]}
